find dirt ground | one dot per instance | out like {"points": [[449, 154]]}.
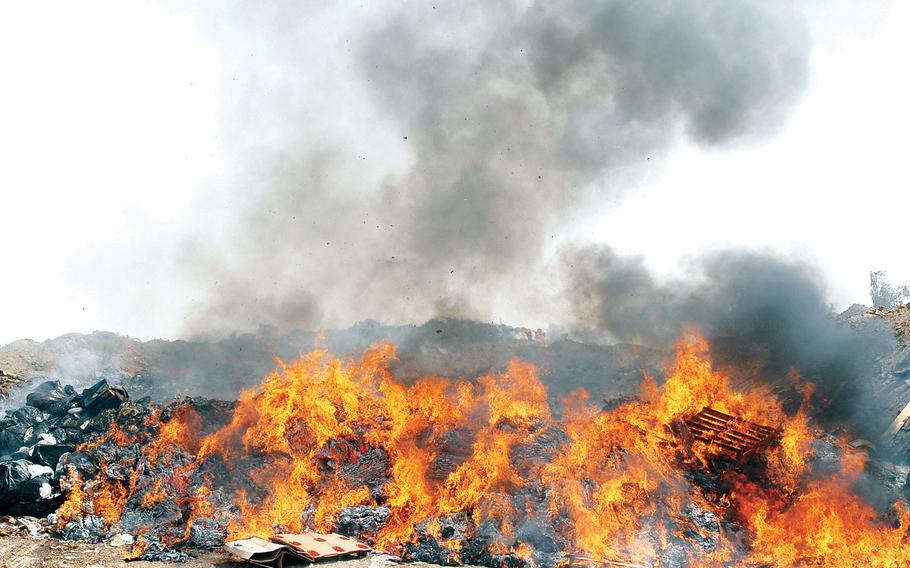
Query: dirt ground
{"points": [[31, 552]]}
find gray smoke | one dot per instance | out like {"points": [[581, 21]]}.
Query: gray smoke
{"points": [[520, 119], [757, 309]]}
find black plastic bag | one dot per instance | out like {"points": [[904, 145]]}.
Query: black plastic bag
{"points": [[102, 395], [28, 415], [33, 434], [12, 433], [36, 489], [46, 395], [62, 407], [49, 455], [13, 474]]}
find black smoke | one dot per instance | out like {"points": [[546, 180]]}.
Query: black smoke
{"points": [[758, 310]]}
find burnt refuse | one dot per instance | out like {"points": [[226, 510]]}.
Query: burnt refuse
{"points": [[361, 521], [90, 528]]}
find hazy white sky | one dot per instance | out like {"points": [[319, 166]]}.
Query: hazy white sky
{"points": [[108, 127], [834, 187]]}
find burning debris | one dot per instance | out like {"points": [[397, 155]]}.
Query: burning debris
{"points": [[689, 473], [738, 439]]}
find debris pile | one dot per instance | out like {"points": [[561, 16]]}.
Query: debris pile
{"points": [[688, 473], [898, 317], [79, 460], [7, 382], [34, 438], [891, 388]]}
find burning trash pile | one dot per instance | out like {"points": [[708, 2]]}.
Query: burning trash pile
{"points": [[689, 473]]}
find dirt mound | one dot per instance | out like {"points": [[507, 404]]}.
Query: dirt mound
{"points": [[7, 382], [899, 318]]}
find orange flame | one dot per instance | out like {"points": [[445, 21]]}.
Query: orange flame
{"points": [[621, 480]]}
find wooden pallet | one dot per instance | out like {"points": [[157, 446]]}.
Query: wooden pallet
{"points": [[736, 438]]}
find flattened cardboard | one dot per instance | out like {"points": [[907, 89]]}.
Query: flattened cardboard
{"points": [[258, 551], [307, 546], [316, 546]]}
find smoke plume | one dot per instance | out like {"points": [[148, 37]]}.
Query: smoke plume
{"points": [[757, 309], [509, 123]]}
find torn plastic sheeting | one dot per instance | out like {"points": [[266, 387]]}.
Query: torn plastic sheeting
{"points": [[29, 415]]}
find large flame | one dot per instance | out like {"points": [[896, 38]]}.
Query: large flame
{"points": [[617, 486]]}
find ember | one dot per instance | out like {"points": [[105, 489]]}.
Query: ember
{"points": [[477, 472]]}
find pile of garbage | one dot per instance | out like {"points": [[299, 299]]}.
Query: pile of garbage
{"points": [[68, 457], [165, 480], [39, 439], [141, 490]]}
